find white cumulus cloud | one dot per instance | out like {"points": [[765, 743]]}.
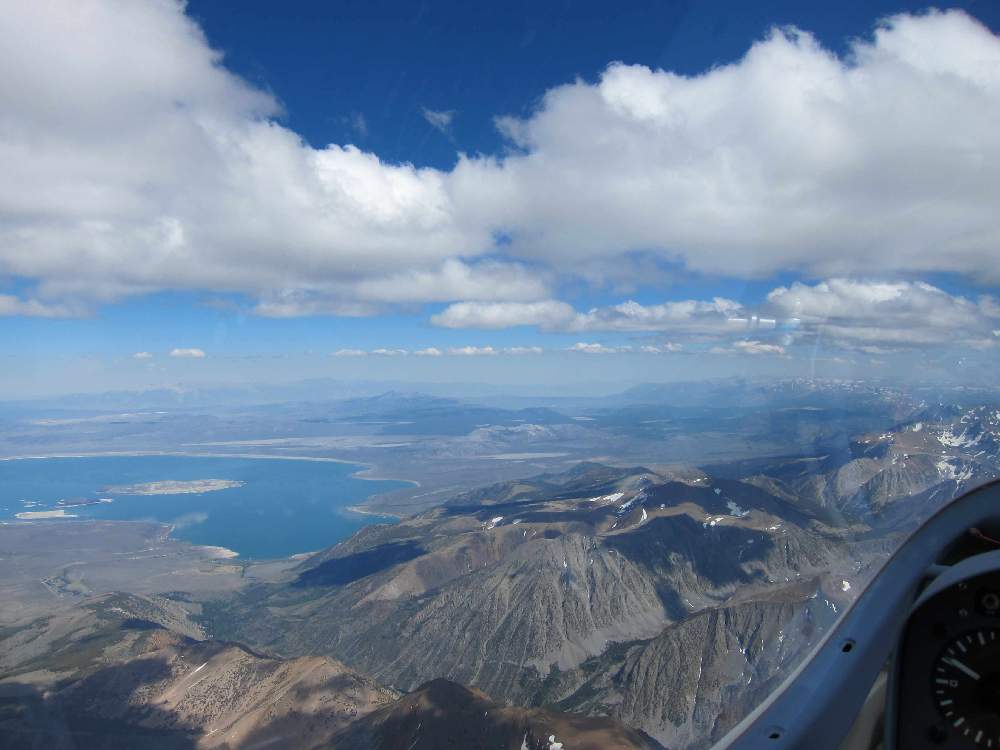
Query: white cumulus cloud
{"points": [[715, 316], [546, 314], [592, 348], [790, 158], [142, 355], [455, 279], [473, 351], [11, 305], [439, 119], [187, 353], [869, 315], [134, 161], [885, 315], [711, 316], [757, 347]]}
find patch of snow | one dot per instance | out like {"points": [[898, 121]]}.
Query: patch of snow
{"points": [[845, 586], [614, 497], [200, 668], [644, 516], [949, 438], [717, 491], [553, 745], [626, 505], [949, 471], [918, 426], [493, 522], [736, 510]]}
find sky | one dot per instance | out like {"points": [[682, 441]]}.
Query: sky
{"points": [[555, 193]]}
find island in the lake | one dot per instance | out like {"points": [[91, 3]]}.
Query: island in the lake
{"points": [[29, 514], [174, 487]]}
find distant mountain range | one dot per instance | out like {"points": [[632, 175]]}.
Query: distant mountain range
{"points": [[210, 395], [745, 392]]}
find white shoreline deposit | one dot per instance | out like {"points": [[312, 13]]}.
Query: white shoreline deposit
{"points": [[218, 553]]}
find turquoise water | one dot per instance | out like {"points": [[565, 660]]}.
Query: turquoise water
{"points": [[284, 507]]}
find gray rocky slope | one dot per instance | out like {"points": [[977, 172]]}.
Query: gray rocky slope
{"points": [[112, 679], [670, 599], [539, 580]]}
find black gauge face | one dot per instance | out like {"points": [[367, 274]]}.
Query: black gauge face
{"points": [[966, 687]]}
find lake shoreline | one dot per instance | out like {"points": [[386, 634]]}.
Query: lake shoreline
{"points": [[218, 546], [361, 510]]}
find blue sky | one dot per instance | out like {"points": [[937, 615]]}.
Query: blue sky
{"points": [[251, 190], [386, 61]]}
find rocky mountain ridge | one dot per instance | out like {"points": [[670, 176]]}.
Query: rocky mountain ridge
{"points": [[584, 590], [900, 475], [505, 587], [113, 679]]}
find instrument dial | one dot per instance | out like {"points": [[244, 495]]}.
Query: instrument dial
{"points": [[966, 687]]}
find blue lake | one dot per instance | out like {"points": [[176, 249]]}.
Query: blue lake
{"points": [[284, 506]]}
